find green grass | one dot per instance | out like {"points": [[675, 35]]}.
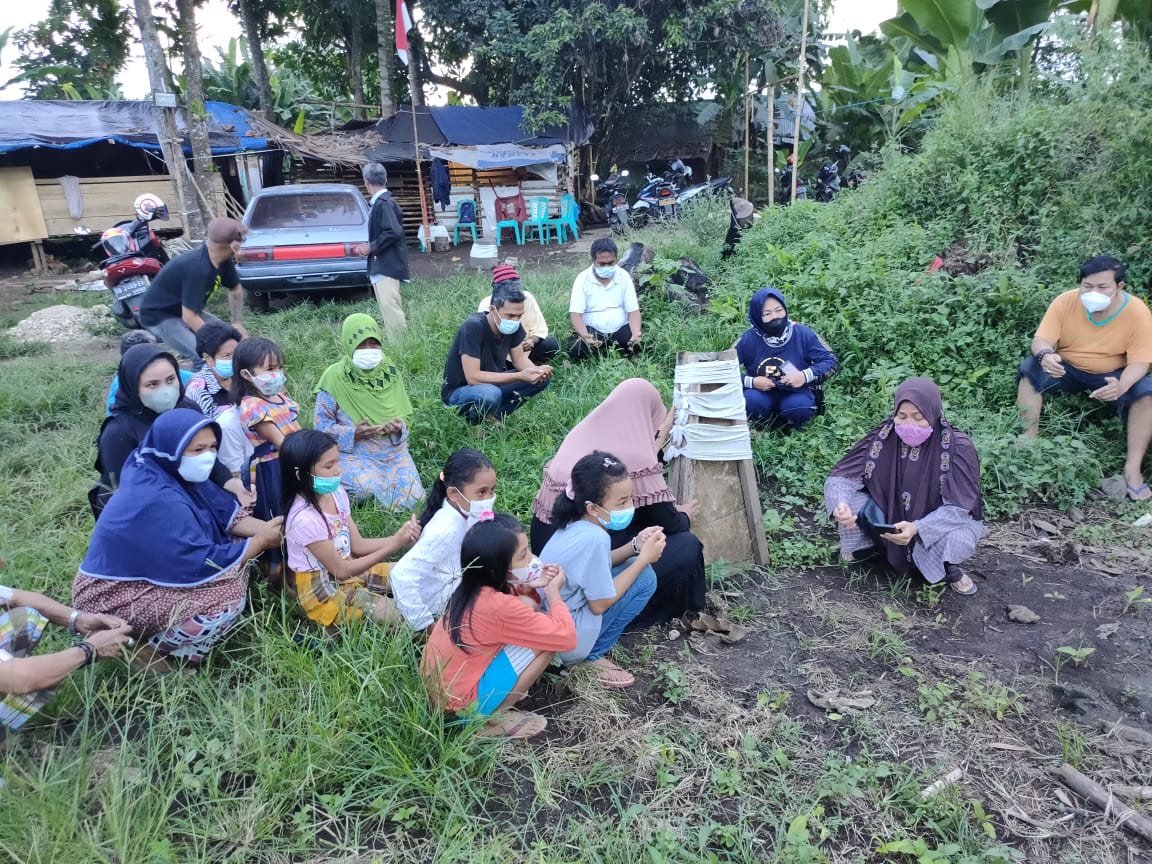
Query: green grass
{"points": [[276, 752]]}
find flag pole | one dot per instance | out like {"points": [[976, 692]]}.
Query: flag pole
{"points": [[799, 102], [404, 23]]}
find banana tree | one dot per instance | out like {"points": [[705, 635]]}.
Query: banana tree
{"points": [[959, 37], [1135, 15]]}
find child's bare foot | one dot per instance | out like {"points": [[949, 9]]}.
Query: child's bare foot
{"points": [[513, 724]]}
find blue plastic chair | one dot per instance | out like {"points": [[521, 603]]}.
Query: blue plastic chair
{"points": [[569, 214], [538, 219], [465, 218]]}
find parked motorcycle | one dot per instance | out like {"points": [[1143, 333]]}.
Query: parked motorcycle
{"points": [[616, 202], [827, 182], [131, 254], [784, 188]]}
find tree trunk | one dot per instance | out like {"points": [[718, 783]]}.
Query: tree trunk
{"points": [[355, 68], [385, 54], [195, 111], [256, 55], [170, 144]]}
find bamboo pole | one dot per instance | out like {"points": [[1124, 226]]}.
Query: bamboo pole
{"points": [[747, 126], [770, 142], [420, 185], [1114, 809], [799, 100]]}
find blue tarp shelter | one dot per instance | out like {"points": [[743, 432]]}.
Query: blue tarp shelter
{"points": [[70, 125]]}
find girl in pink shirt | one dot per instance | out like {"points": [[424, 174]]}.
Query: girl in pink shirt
{"points": [[493, 641]]}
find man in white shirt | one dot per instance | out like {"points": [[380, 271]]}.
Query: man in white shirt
{"points": [[603, 309]]}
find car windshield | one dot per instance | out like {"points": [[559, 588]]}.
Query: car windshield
{"points": [[306, 210]]}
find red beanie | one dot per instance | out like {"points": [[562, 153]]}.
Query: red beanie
{"points": [[504, 273]]}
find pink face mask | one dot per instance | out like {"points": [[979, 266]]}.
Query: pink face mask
{"points": [[913, 435]]}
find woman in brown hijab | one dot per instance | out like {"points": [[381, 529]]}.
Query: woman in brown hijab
{"points": [[918, 479]]}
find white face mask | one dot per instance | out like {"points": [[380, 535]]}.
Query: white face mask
{"points": [[529, 574], [161, 399], [198, 468], [480, 510], [367, 358], [1094, 301]]}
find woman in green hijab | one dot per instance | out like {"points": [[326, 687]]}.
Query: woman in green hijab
{"points": [[361, 402]]}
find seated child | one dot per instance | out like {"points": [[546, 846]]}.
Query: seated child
{"points": [[493, 642], [337, 574], [424, 579]]}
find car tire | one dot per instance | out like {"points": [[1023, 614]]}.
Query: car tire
{"points": [[258, 301]]}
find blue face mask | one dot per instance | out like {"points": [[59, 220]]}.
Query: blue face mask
{"points": [[325, 485], [506, 326], [224, 368], [617, 520], [604, 272]]}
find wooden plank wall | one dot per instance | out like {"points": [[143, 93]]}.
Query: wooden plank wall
{"points": [[108, 200], [466, 183], [21, 219]]}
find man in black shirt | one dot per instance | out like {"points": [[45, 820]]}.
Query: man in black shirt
{"points": [[475, 381], [173, 306]]}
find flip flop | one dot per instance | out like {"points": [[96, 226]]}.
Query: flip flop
{"points": [[611, 676], [513, 724], [1136, 493]]}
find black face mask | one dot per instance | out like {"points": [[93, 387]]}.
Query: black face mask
{"points": [[774, 328]]}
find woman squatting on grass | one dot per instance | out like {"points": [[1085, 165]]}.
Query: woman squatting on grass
{"points": [[424, 579], [494, 641], [338, 574], [603, 599]]}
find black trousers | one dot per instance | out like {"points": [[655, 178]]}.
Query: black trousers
{"points": [[579, 350]]}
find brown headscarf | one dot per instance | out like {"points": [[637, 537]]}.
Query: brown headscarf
{"points": [[910, 482], [625, 424]]}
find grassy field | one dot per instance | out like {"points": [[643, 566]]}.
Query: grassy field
{"points": [[280, 751]]}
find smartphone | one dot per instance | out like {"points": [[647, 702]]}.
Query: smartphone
{"points": [[885, 529]]}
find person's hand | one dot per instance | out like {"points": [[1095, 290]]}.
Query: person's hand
{"points": [[795, 380], [689, 509], [360, 250], [1110, 392], [547, 370], [844, 515], [535, 374], [763, 382], [529, 343], [1053, 364], [246, 498], [365, 430], [269, 534], [634, 339], [554, 573], [93, 622], [905, 535], [590, 340], [409, 532], [393, 427], [111, 643], [651, 547]]}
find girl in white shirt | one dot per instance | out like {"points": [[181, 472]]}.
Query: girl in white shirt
{"points": [[424, 579]]}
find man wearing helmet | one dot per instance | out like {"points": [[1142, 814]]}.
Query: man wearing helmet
{"points": [[172, 308]]}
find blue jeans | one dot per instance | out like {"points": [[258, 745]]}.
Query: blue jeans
{"points": [[1078, 381], [477, 401], [621, 613]]}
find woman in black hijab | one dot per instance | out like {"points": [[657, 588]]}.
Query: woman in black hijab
{"points": [[149, 384]]}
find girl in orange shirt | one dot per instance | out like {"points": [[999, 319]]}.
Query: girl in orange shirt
{"points": [[493, 641]]}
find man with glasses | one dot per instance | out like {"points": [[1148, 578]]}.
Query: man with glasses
{"points": [[1096, 339]]}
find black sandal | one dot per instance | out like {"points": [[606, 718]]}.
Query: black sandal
{"points": [[953, 575]]}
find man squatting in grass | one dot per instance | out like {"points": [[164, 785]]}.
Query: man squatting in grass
{"points": [[603, 309], [1095, 338]]}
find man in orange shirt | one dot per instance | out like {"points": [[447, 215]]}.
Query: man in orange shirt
{"points": [[1095, 338]]}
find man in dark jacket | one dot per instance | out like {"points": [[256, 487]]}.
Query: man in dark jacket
{"points": [[386, 249]]}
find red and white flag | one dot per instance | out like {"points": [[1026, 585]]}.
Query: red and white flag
{"points": [[403, 25]]}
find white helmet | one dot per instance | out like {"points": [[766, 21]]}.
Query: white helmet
{"points": [[149, 207]]}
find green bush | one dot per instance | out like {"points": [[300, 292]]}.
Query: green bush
{"points": [[1024, 186]]}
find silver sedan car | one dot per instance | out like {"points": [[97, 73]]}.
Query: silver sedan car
{"points": [[301, 238]]}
